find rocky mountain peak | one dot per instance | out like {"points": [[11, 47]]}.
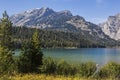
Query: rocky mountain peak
{"points": [[77, 17], [66, 12], [112, 27], [43, 10]]}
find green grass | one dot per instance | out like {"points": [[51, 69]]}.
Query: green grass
{"points": [[45, 77]]}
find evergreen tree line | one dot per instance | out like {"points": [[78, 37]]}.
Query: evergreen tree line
{"points": [[57, 39]]}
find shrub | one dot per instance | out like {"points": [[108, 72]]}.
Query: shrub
{"points": [[63, 68], [109, 70], [87, 69], [49, 66]]}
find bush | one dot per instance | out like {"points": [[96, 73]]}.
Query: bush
{"points": [[63, 68], [49, 66], [87, 69], [111, 70]]}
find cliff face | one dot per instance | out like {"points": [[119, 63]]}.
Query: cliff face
{"points": [[112, 27]]}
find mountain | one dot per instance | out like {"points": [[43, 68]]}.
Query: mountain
{"points": [[112, 27], [31, 17], [41, 18], [46, 18]]}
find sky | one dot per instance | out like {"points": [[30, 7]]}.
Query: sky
{"points": [[95, 11]]}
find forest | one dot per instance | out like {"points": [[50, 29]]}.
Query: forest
{"points": [[59, 39]]}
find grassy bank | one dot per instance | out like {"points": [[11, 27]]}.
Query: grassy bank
{"points": [[46, 77]]}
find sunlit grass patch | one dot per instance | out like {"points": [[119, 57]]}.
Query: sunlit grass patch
{"points": [[44, 77]]}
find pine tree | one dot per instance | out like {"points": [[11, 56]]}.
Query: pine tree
{"points": [[5, 31], [6, 54], [36, 40], [31, 56]]}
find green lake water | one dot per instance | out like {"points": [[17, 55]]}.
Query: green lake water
{"points": [[98, 55]]}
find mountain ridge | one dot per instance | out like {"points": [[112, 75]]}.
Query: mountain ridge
{"points": [[46, 18]]}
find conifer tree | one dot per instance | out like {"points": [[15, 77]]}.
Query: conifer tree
{"points": [[6, 31], [36, 40], [6, 54], [37, 48], [31, 56]]}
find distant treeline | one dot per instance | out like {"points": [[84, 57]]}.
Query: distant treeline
{"points": [[56, 39]]}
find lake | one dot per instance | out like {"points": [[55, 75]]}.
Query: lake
{"points": [[98, 55]]}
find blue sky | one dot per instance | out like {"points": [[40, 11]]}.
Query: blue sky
{"points": [[92, 10]]}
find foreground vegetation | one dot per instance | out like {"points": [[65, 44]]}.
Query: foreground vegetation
{"points": [[64, 71], [88, 70], [61, 70]]}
